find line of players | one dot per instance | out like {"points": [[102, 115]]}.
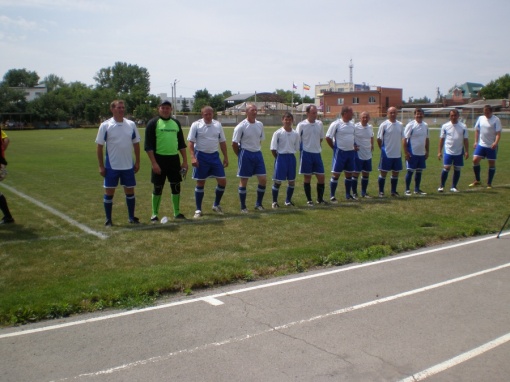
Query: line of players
{"points": [[352, 146]]}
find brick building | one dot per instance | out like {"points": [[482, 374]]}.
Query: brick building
{"points": [[376, 101]]}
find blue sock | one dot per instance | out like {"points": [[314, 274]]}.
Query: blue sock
{"points": [[381, 181], [364, 185], [108, 206], [333, 184], [261, 190], [456, 177], [290, 192], [219, 194], [199, 197], [242, 197], [130, 202], [492, 171], [444, 177], [417, 180], [409, 178], [348, 187], [394, 183], [354, 185], [275, 190], [476, 170]]}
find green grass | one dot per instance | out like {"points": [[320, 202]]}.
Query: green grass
{"points": [[51, 268]]}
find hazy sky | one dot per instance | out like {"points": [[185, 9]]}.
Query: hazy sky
{"points": [[261, 45]]}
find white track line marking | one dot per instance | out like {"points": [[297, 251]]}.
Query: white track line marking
{"points": [[56, 212], [242, 290], [457, 360], [288, 325]]}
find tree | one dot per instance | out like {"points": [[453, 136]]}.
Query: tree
{"points": [[53, 82], [185, 106], [495, 89], [11, 100], [288, 96], [21, 78], [129, 82], [202, 98]]}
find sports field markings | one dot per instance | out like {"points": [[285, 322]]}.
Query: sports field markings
{"points": [[214, 299], [306, 321], [440, 367], [52, 210]]}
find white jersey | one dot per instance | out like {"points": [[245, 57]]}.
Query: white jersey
{"points": [[285, 142], [391, 134], [249, 135], [311, 135], [119, 138], [342, 133], [454, 136], [363, 139], [488, 127], [206, 136], [416, 135]]}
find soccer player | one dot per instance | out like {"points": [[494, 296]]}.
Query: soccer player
{"points": [[454, 139], [284, 145], [120, 136], [4, 142], [203, 139], [364, 142], [487, 136], [164, 141], [246, 143], [416, 149], [390, 138], [311, 133], [340, 137]]}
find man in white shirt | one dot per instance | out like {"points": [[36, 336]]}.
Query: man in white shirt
{"points": [[203, 139], [120, 136], [487, 136]]}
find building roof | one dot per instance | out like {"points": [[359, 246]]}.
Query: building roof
{"points": [[240, 97], [469, 90]]}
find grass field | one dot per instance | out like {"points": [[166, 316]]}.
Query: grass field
{"points": [[59, 259]]}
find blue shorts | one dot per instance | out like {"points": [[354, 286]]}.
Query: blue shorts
{"points": [[390, 164], [416, 162], [363, 165], [455, 160], [209, 166], [343, 161], [285, 167], [250, 164], [485, 152], [126, 177], [310, 163]]}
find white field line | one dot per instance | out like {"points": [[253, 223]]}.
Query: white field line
{"points": [[285, 326], [440, 367], [213, 299], [56, 212]]}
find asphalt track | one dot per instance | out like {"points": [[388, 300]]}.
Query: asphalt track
{"points": [[440, 314]]}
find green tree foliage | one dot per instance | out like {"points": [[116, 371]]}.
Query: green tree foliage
{"points": [[499, 88], [21, 78], [288, 96], [202, 98], [11, 100], [52, 82], [185, 106]]}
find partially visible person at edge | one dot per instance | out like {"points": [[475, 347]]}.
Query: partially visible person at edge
{"points": [[203, 139], [454, 139], [284, 145], [164, 141], [311, 134], [416, 149], [364, 141], [121, 138], [7, 218], [487, 136], [390, 138], [340, 137], [246, 143]]}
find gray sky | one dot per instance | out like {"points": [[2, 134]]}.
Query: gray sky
{"points": [[261, 45]]}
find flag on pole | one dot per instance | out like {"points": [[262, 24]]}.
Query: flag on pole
{"points": [[294, 86], [306, 87]]}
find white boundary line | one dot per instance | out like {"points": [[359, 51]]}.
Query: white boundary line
{"points": [[56, 212], [301, 322], [213, 299], [457, 360]]}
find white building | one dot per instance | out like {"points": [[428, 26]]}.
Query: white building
{"points": [[177, 102]]}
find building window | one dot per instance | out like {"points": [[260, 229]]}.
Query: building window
{"points": [[328, 109], [371, 99], [355, 100], [340, 101]]}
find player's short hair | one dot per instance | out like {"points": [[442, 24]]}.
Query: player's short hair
{"points": [[455, 111], [309, 107], [116, 102], [287, 114], [489, 107], [345, 109], [418, 110], [207, 107]]}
